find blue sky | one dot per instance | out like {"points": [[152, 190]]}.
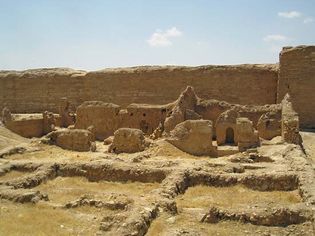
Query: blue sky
{"points": [[95, 34]]}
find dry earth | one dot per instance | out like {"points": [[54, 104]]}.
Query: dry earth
{"points": [[45, 190], [309, 143]]}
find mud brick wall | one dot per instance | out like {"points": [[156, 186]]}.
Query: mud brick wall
{"points": [[39, 90], [27, 128], [297, 76]]}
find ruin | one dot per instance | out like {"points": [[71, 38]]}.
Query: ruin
{"points": [[180, 122], [203, 150]]}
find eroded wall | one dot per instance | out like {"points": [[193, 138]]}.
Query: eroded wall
{"points": [[212, 109], [40, 90], [297, 77], [106, 118], [27, 128]]}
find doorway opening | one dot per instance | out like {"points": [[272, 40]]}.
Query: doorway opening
{"points": [[229, 136]]}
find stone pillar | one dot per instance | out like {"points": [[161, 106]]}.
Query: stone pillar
{"points": [[6, 115], [49, 122], [186, 101], [66, 115], [290, 122]]}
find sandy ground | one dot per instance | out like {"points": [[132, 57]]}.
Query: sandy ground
{"points": [[8, 138], [148, 206], [309, 143]]}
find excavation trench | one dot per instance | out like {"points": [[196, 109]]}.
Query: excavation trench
{"points": [[94, 192], [261, 182], [120, 173], [11, 171], [233, 209], [125, 194], [264, 201]]}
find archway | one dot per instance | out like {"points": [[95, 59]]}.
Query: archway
{"points": [[229, 136]]}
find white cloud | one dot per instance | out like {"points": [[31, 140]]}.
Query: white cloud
{"points": [[275, 38], [275, 48], [163, 38], [308, 20], [276, 41], [290, 14], [158, 39]]}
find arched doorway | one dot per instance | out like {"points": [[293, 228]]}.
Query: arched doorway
{"points": [[229, 136]]}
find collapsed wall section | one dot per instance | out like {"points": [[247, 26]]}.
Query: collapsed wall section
{"points": [[297, 77], [105, 118], [290, 124], [39, 90], [102, 117], [212, 109]]}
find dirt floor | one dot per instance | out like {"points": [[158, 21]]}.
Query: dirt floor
{"points": [[309, 143], [8, 138], [45, 190]]}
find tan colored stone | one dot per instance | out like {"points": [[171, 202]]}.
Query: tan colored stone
{"points": [[247, 136], [49, 122], [73, 139], [297, 77], [185, 104], [108, 140], [6, 115], [67, 116], [226, 127], [269, 125], [128, 140], [145, 84], [103, 116], [290, 124], [193, 137], [106, 118]]}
